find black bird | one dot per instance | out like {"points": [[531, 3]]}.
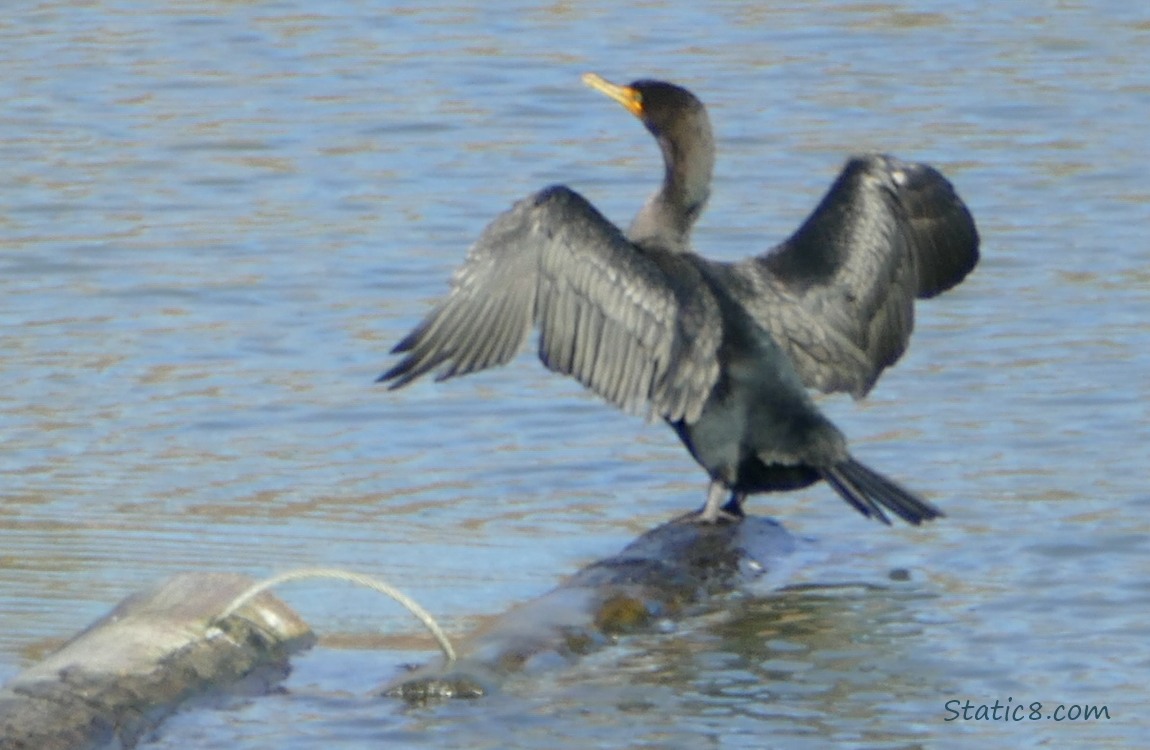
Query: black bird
{"points": [[724, 352]]}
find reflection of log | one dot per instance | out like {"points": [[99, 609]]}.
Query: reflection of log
{"points": [[660, 576], [117, 679]]}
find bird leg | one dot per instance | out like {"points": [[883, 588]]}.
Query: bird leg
{"points": [[734, 506], [714, 511]]}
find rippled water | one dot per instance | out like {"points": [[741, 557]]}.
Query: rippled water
{"points": [[217, 217]]}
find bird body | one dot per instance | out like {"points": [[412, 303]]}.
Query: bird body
{"points": [[724, 352]]}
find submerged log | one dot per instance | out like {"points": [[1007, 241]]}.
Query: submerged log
{"points": [[669, 572], [117, 679], [114, 682]]}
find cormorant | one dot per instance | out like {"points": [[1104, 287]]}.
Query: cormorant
{"points": [[724, 352]]}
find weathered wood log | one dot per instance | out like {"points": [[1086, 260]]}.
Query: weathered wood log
{"points": [[117, 679], [669, 572]]}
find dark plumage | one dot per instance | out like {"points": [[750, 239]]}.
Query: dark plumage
{"points": [[724, 352]]}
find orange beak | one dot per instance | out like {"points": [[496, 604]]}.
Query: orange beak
{"points": [[631, 99]]}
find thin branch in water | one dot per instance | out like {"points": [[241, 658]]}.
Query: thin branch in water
{"points": [[357, 578]]}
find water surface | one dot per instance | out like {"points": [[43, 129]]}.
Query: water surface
{"points": [[218, 217]]}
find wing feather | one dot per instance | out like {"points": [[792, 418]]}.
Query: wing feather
{"points": [[640, 330], [839, 294]]}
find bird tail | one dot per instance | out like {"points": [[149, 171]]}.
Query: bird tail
{"points": [[869, 492]]}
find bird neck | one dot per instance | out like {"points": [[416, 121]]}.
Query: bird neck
{"points": [[668, 216]]}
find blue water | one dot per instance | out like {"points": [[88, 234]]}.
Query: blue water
{"points": [[218, 217]]}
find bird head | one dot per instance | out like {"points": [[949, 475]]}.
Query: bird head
{"points": [[658, 104]]}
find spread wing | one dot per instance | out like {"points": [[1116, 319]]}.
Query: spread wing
{"points": [[630, 326], [839, 294]]}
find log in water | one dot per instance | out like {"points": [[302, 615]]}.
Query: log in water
{"points": [[665, 574], [117, 679]]}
